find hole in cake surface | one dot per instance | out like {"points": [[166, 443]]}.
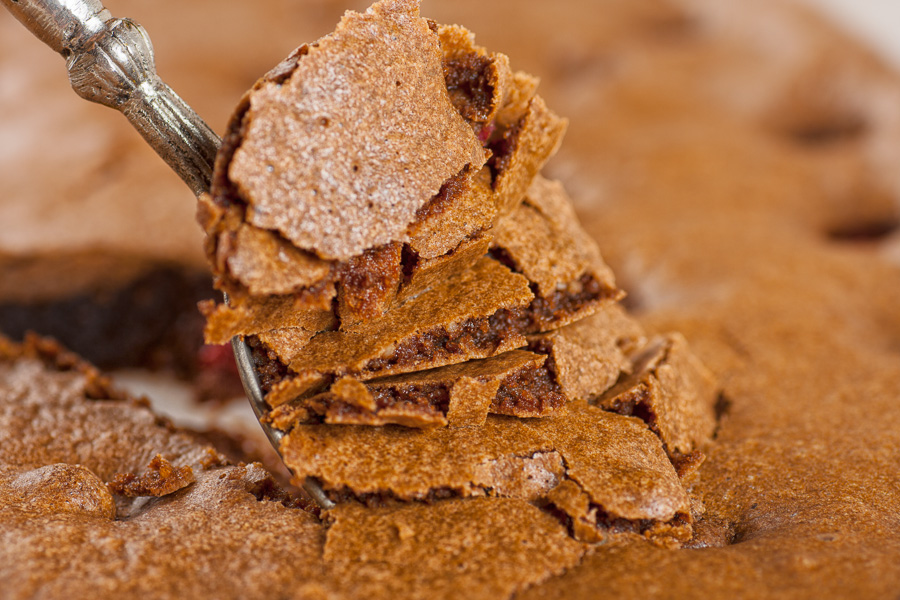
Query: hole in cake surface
{"points": [[409, 259], [670, 24], [577, 65], [165, 330], [826, 129], [866, 232], [722, 407], [503, 257], [631, 302]]}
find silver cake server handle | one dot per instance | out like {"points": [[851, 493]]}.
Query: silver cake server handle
{"points": [[110, 61]]}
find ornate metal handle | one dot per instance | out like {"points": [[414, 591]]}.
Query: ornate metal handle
{"points": [[110, 61]]}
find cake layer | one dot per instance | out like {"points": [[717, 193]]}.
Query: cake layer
{"points": [[559, 278], [672, 391], [575, 362], [616, 460], [461, 395]]}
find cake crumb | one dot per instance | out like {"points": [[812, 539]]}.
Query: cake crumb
{"points": [[160, 479]]}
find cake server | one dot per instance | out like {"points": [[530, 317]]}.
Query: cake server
{"points": [[110, 61]]}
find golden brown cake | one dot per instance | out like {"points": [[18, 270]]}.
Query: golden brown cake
{"points": [[357, 242], [736, 164]]}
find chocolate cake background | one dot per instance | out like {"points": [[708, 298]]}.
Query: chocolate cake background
{"points": [[737, 165]]}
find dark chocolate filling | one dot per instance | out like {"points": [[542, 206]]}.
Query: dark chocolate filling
{"points": [[429, 401], [473, 336], [469, 83], [269, 369], [485, 335], [152, 322], [502, 143], [482, 336], [531, 392], [635, 404], [370, 281]]}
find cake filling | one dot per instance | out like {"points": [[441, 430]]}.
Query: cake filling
{"points": [[517, 383]]}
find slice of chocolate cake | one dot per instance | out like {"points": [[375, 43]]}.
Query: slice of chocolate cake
{"points": [[558, 277]]}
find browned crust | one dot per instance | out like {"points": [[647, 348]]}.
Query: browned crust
{"points": [[509, 119], [614, 460]]}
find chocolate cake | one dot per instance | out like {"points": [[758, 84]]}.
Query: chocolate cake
{"points": [[322, 196], [441, 257], [733, 161], [514, 330], [576, 362], [540, 272], [71, 522]]}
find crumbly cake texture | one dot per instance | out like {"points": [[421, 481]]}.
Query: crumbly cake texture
{"points": [[615, 461], [736, 164], [540, 273], [491, 318], [576, 362], [81, 496], [319, 193]]}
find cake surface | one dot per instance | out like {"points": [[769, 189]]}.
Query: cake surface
{"points": [[734, 163], [367, 166]]}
